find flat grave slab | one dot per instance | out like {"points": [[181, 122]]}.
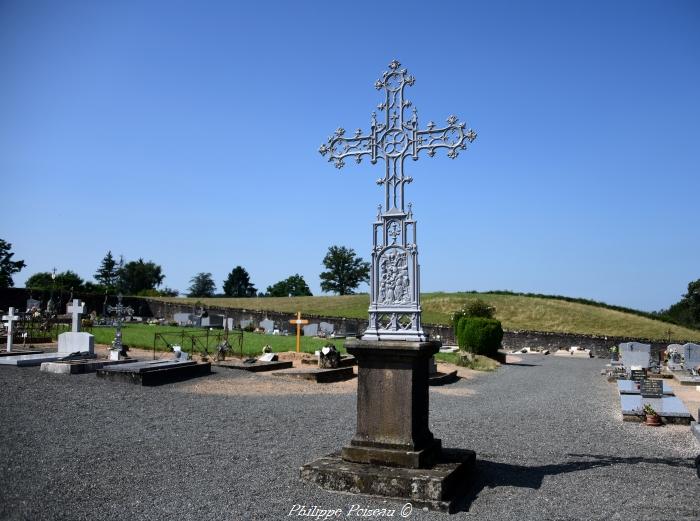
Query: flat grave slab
{"points": [[78, 366], [318, 375], [440, 488], [255, 367], [670, 408], [30, 360], [16, 352], [684, 378], [155, 372], [573, 354], [630, 387], [345, 361]]}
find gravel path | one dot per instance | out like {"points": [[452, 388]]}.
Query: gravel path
{"points": [[548, 437]]}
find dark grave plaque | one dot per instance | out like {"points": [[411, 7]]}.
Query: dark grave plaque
{"points": [[651, 388], [637, 375]]}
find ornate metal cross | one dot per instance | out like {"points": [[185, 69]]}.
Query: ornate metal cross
{"points": [[394, 311], [120, 311]]}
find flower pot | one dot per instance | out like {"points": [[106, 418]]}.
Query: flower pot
{"points": [[653, 420]]}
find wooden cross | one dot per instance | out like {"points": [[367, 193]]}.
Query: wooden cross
{"points": [[9, 319], [299, 322], [76, 308]]}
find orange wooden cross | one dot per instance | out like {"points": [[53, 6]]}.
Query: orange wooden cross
{"points": [[299, 322]]}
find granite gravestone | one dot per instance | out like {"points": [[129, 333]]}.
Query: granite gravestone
{"points": [[310, 330], [268, 325], [635, 354], [691, 356], [392, 437]]}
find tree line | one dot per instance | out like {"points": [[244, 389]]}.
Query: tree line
{"points": [[345, 271]]}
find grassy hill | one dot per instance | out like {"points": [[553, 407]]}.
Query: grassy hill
{"points": [[516, 312]]}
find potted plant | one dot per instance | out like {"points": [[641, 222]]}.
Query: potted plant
{"points": [[652, 417]]}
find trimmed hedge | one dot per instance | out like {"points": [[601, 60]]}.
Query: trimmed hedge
{"points": [[480, 336]]}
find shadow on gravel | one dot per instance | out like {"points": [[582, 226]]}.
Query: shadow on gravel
{"points": [[521, 364], [490, 474]]}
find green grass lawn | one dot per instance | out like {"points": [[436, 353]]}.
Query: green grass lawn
{"points": [[516, 312], [142, 336]]}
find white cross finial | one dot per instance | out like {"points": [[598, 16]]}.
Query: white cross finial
{"points": [[10, 319], [77, 308]]}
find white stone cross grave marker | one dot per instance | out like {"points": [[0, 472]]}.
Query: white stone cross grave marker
{"points": [[9, 319], [76, 308]]}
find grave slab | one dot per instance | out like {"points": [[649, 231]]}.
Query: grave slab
{"points": [[30, 360], [78, 366], [19, 352], [318, 375], [255, 367], [76, 342], [437, 488], [670, 408], [630, 387], [155, 372], [686, 378], [345, 361]]}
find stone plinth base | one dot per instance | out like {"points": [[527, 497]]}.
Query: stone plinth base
{"points": [[441, 487], [255, 367], [76, 343]]}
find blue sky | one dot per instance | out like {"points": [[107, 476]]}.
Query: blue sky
{"points": [[187, 133]]}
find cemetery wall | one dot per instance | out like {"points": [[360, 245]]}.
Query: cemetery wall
{"points": [[599, 345], [17, 298]]}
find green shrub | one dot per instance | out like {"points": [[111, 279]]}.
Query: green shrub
{"points": [[480, 336]]}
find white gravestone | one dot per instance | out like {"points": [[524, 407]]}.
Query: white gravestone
{"points": [[9, 320], [268, 325], [75, 341]]}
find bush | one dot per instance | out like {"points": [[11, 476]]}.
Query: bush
{"points": [[473, 308], [480, 336]]}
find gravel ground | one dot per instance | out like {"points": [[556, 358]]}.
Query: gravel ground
{"points": [[549, 439]]}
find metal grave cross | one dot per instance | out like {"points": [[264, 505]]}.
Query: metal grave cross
{"points": [[9, 319], [395, 311], [76, 308], [120, 311], [299, 322]]}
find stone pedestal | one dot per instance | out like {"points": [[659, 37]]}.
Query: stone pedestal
{"points": [[76, 343], [393, 453], [392, 404]]}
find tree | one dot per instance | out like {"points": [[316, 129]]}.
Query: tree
{"points": [[686, 311], [138, 276], [107, 274], [238, 284], [345, 270], [7, 265], [295, 286], [202, 285], [64, 281]]}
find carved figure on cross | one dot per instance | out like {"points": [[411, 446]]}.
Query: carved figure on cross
{"points": [[9, 320], [76, 308]]}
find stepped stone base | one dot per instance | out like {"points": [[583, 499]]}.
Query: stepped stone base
{"points": [[442, 487]]}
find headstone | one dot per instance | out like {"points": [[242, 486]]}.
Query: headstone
{"points": [[651, 388], [212, 321], [9, 321], [33, 304], [638, 375], [675, 357], [182, 319], [691, 356], [268, 325], [245, 323], [311, 330], [635, 354], [179, 353], [327, 328]]}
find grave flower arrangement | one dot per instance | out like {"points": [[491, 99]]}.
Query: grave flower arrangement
{"points": [[652, 417]]}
